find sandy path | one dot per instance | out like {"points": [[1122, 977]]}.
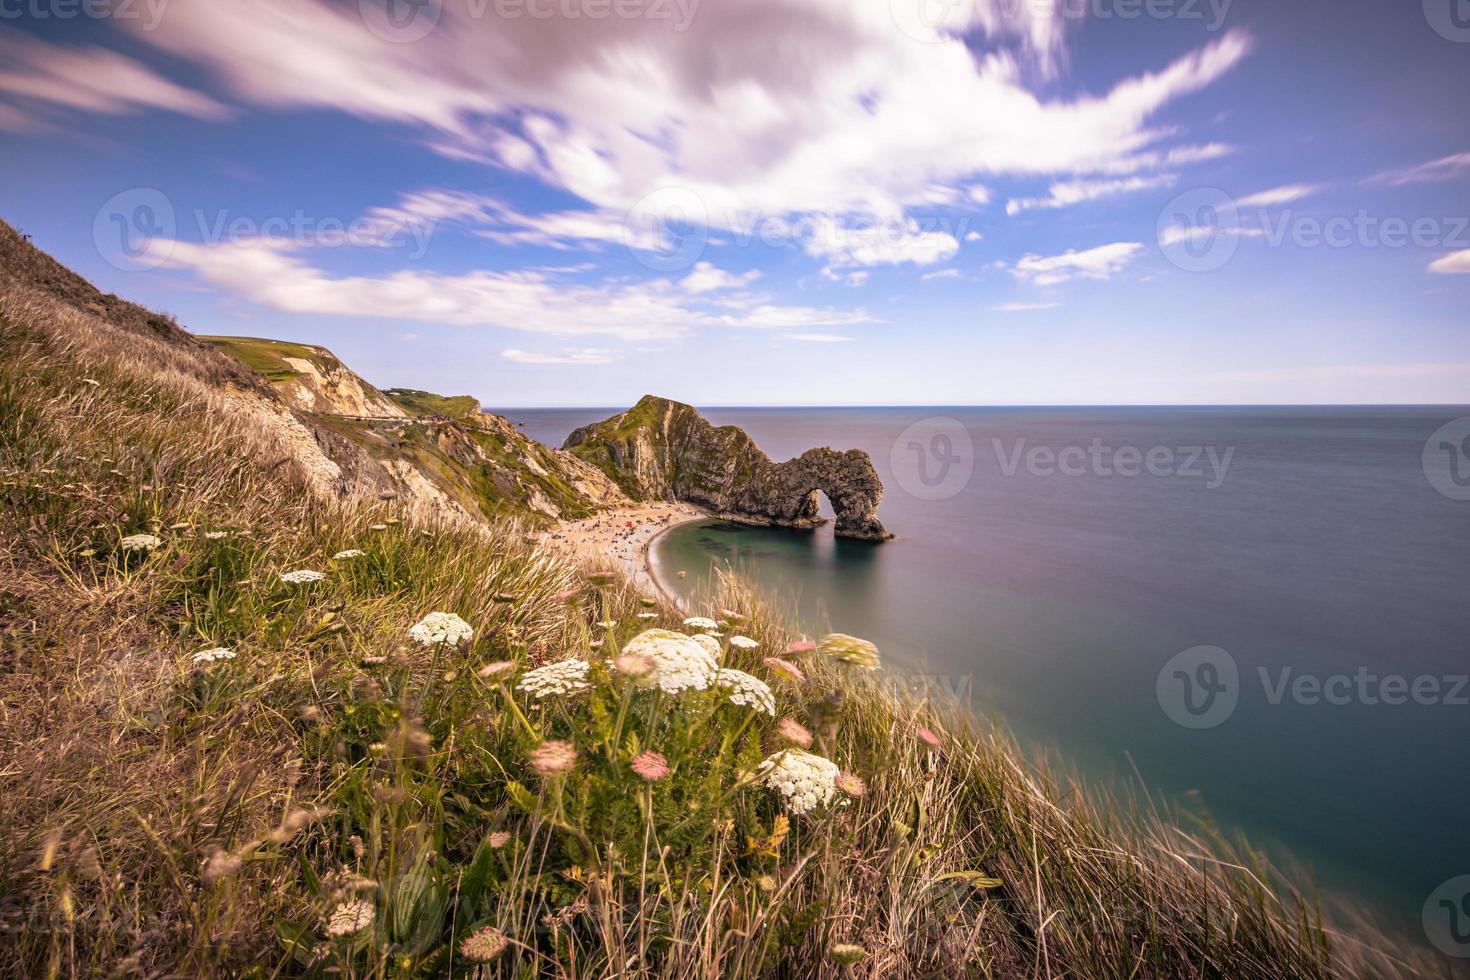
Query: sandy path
{"points": [[622, 535]]}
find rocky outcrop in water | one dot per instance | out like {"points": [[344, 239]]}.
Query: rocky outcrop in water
{"points": [[662, 449]]}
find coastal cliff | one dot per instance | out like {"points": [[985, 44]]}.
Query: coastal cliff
{"points": [[662, 449]]}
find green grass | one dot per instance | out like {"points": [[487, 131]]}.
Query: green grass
{"points": [[266, 357], [171, 818], [427, 403]]}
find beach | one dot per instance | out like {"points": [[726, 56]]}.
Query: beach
{"points": [[622, 535]]}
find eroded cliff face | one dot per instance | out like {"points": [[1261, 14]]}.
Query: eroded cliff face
{"points": [[662, 449]]}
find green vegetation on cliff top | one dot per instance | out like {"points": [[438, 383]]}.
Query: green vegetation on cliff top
{"points": [[416, 402]]}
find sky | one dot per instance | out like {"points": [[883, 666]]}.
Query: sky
{"points": [[772, 202]]}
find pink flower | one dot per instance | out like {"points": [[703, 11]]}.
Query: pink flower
{"points": [[927, 737], [499, 839], [550, 758], [651, 765], [785, 668], [801, 646], [792, 731], [484, 944], [851, 783]]}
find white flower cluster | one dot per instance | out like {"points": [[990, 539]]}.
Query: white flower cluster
{"points": [[349, 553], [562, 679], [141, 542], [710, 644], [747, 690], [743, 643], [350, 917], [679, 662], [804, 779], [440, 627], [302, 576], [213, 655], [701, 623]]}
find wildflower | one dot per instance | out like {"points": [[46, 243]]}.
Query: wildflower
{"points": [[215, 535], [568, 595], [679, 663], [302, 576], [852, 784], [499, 839], [607, 624], [550, 758], [563, 678], [785, 668], [650, 765], [847, 953], [800, 646], [747, 690], [743, 643], [927, 737], [850, 650], [648, 615], [794, 732], [221, 864], [496, 669], [350, 917], [701, 623], [349, 553], [441, 628], [708, 641], [213, 655], [806, 781], [141, 542], [483, 945], [633, 664]]}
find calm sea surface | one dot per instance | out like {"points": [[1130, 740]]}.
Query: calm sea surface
{"points": [[1306, 549]]}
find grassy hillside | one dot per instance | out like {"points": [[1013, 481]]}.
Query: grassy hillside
{"points": [[331, 797], [427, 403], [266, 357]]}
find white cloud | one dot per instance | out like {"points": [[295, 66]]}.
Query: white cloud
{"points": [[941, 274], [1102, 262], [530, 300], [89, 80], [845, 115], [1456, 263], [706, 277], [1066, 193], [815, 338], [1277, 195], [1023, 307], [1445, 168], [1178, 232], [571, 355]]}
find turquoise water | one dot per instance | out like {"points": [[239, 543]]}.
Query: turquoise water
{"points": [[1056, 600]]}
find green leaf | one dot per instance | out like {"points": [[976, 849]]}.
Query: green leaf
{"points": [[520, 797]]}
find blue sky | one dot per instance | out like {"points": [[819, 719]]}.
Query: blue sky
{"points": [[574, 202]]}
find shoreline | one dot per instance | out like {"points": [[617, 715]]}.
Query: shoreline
{"points": [[623, 536]]}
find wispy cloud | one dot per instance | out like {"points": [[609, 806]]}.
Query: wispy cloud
{"points": [[1445, 168], [1067, 193], [1456, 263], [1102, 262], [1023, 307], [571, 355], [1277, 196]]}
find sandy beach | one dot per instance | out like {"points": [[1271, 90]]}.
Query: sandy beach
{"points": [[623, 535]]}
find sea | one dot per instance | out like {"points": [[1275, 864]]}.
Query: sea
{"points": [[1259, 617]]}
